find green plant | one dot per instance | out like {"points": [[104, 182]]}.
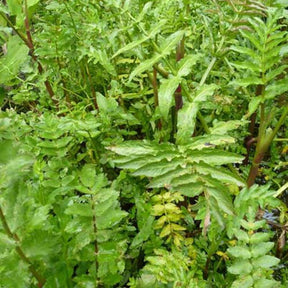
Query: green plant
{"points": [[122, 126]]}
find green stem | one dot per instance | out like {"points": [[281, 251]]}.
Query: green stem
{"points": [[263, 144]]}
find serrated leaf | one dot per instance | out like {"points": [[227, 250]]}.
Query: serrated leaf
{"points": [[166, 93], [81, 209], [165, 50], [158, 168], [242, 235], [136, 43], [247, 51], [166, 178], [222, 198], [171, 42], [243, 282], [88, 175], [208, 141], [133, 148], [31, 3], [277, 88], [221, 128], [144, 233], [267, 283], [248, 81], [266, 261], [239, 252], [259, 237], [275, 72], [186, 122], [240, 267], [252, 225], [111, 219], [261, 249], [203, 92], [56, 144], [251, 36], [254, 104], [190, 189], [185, 65], [245, 65], [220, 174], [213, 157], [17, 54]]}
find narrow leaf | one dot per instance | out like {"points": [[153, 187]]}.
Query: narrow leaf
{"points": [[185, 65], [136, 43], [166, 92]]}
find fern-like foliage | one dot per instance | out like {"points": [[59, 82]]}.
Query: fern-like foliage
{"points": [[170, 216], [251, 262], [263, 47], [190, 169], [174, 267]]}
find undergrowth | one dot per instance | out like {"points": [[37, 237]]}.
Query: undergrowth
{"points": [[143, 144]]}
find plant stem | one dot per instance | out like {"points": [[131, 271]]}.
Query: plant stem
{"points": [[96, 248], [39, 278], [263, 143], [91, 87]]}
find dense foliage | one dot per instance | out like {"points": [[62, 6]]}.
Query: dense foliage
{"points": [[143, 143]]}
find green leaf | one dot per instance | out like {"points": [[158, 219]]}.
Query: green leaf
{"points": [[111, 219], [15, 7], [240, 267], [144, 233], [267, 283], [17, 54], [203, 92], [31, 3], [136, 43], [134, 148], [165, 49], [81, 209], [158, 168], [219, 173], [247, 81], [171, 42], [239, 252], [259, 237], [254, 104], [208, 141], [213, 157], [185, 64], [255, 68], [275, 72], [186, 122], [265, 261], [222, 198], [190, 189], [251, 36], [243, 282], [277, 88], [247, 51], [261, 249], [252, 225], [166, 91], [221, 128], [87, 175]]}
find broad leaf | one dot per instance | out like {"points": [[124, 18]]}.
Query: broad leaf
{"points": [[240, 252], [240, 267], [17, 54]]}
